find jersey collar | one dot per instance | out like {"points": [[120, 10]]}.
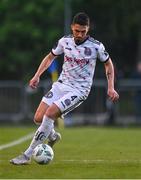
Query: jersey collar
{"points": [[87, 37]]}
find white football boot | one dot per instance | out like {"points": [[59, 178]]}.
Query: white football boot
{"points": [[54, 139], [20, 160]]}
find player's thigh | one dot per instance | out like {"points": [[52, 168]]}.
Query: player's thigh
{"points": [[69, 102], [40, 112]]}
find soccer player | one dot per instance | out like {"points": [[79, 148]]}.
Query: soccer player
{"points": [[74, 83]]}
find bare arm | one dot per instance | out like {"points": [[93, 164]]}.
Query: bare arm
{"points": [[109, 73], [42, 67], [109, 69]]}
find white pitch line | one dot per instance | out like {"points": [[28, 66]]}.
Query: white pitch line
{"points": [[16, 142], [103, 160]]}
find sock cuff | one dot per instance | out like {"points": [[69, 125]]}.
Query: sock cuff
{"points": [[47, 121]]}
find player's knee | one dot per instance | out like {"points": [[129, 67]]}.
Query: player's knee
{"points": [[51, 114], [38, 118]]}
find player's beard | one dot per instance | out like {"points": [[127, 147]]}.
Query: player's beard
{"points": [[79, 40]]}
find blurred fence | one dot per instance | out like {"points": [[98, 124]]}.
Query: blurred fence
{"points": [[18, 103]]}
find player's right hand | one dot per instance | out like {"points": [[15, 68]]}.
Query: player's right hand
{"points": [[113, 95], [33, 83]]}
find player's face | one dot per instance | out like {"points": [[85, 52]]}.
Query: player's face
{"points": [[79, 32]]}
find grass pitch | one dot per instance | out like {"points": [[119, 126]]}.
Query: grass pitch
{"points": [[83, 153]]}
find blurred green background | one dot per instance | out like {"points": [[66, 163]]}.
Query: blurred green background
{"points": [[30, 28]]}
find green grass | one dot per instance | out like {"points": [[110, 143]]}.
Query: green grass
{"points": [[83, 153]]}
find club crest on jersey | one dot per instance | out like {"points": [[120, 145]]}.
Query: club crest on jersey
{"points": [[87, 51], [49, 94]]}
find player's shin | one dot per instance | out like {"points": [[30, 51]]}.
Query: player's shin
{"points": [[41, 134]]}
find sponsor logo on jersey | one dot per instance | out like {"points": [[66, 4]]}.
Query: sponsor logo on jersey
{"points": [[76, 60]]}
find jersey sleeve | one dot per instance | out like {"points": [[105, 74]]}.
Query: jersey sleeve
{"points": [[102, 53], [58, 48]]}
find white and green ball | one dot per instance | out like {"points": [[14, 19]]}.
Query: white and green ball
{"points": [[43, 154]]}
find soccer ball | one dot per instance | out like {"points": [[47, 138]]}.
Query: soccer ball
{"points": [[43, 154]]}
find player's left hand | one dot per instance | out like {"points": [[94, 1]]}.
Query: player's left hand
{"points": [[113, 95]]}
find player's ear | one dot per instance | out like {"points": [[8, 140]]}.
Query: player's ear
{"points": [[88, 28], [71, 26]]}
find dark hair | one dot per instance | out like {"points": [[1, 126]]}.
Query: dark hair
{"points": [[81, 18]]}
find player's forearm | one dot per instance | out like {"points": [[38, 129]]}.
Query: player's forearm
{"points": [[110, 74], [44, 65]]}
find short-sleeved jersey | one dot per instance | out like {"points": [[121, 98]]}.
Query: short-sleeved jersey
{"points": [[79, 61]]}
